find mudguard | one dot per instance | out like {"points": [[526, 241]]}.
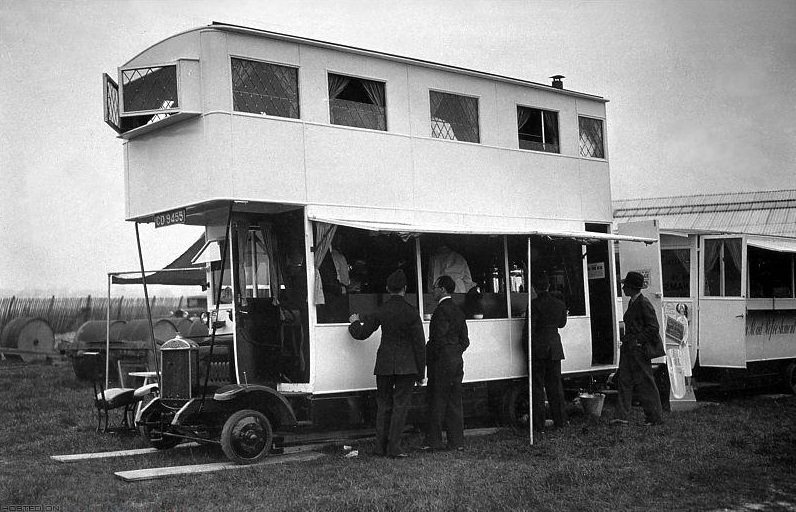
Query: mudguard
{"points": [[261, 398]]}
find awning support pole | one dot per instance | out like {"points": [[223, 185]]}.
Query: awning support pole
{"points": [[530, 350], [108, 337], [146, 299]]}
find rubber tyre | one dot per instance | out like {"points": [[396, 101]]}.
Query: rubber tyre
{"points": [[247, 437], [516, 408], [156, 441], [789, 377]]}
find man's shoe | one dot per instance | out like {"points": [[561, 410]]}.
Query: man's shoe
{"points": [[426, 448], [617, 422], [653, 423], [399, 456]]}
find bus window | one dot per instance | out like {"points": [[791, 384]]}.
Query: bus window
{"points": [[770, 273], [255, 272], [476, 265], [354, 269], [226, 291], [562, 261], [676, 272], [723, 267]]}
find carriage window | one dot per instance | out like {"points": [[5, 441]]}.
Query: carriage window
{"points": [[537, 129], [676, 271], [591, 137], [352, 266], [770, 273], [357, 102], [263, 88], [454, 117], [475, 263], [723, 267]]}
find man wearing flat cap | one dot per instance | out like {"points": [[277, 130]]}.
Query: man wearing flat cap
{"points": [[400, 362], [635, 370]]}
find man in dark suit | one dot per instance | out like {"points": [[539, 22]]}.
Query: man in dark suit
{"points": [[548, 314], [635, 370], [447, 342], [400, 362]]}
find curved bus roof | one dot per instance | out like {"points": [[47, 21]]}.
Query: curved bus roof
{"points": [[226, 27]]}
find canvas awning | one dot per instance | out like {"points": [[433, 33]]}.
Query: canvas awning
{"points": [[773, 244], [180, 272], [507, 228]]}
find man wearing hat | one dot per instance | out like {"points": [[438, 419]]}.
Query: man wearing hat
{"points": [[400, 362], [635, 370], [447, 340]]}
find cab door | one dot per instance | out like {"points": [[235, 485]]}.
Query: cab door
{"points": [[645, 259], [722, 302]]}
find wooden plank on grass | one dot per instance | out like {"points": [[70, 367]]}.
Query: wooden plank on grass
{"points": [[77, 457], [153, 473]]}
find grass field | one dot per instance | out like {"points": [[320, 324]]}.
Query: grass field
{"points": [[737, 453]]}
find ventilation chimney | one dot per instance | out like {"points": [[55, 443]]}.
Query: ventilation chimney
{"points": [[557, 83]]}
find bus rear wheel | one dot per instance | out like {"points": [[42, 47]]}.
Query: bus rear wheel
{"points": [[516, 407], [789, 376]]}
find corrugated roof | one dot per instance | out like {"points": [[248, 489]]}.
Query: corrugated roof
{"points": [[762, 213]]}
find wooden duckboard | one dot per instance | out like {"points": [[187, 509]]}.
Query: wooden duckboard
{"points": [[138, 475], [77, 457]]}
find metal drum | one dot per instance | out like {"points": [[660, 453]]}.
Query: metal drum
{"points": [[30, 338]]}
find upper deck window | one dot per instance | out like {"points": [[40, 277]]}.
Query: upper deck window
{"points": [[150, 89], [263, 88], [591, 137], [538, 129], [454, 117], [357, 102]]}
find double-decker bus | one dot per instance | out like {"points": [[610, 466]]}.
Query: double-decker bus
{"points": [[316, 170]]}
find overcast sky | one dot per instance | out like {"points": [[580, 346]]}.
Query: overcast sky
{"points": [[702, 99]]}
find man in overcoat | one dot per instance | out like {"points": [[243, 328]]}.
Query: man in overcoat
{"points": [[400, 362], [635, 370], [447, 341], [548, 315]]}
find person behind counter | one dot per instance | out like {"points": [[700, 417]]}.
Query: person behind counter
{"points": [[400, 362], [447, 341], [548, 315]]}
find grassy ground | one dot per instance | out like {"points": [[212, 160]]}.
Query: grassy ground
{"points": [[736, 454]]}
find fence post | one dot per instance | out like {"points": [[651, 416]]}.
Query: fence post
{"points": [[50, 309]]}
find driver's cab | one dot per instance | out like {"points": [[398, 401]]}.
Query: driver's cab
{"points": [[258, 284]]}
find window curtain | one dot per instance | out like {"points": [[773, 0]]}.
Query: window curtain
{"points": [[684, 258], [523, 114], [732, 284], [550, 120], [375, 92], [323, 234], [243, 279], [711, 264], [336, 85], [275, 259]]}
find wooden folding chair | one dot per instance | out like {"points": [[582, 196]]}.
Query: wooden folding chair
{"points": [[108, 399]]}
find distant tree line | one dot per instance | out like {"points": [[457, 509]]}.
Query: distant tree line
{"points": [[66, 314]]}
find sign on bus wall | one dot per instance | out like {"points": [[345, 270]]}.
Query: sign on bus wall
{"points": [[770, 334]]}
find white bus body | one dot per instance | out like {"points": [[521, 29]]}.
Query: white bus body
{"points": [[274, 142]]}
